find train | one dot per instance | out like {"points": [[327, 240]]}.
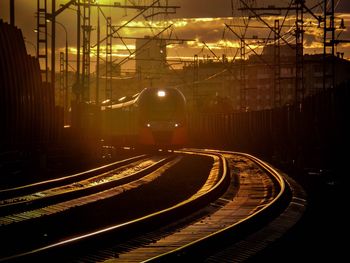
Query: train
{"points": [[153, 119]]}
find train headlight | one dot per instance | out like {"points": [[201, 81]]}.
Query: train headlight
{"points": [[148, 125], [176, 125], [161, 93]]}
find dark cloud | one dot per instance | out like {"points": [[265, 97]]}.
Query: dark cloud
{"points": [[200, 8], [203, 30]]}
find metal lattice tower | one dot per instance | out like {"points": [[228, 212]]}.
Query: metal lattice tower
{"points": [[109, 60], [299, 39], [86, 50], [41, 40], [277, 65], [328, 43]]}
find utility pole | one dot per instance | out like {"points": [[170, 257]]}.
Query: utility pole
{"points": [[66, 108], [299, 46], [277, 66], [328, 44], [97, 95], [12, 12], [109, 60]]}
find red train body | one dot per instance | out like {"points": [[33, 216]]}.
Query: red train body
{"points": [[154, 119]]}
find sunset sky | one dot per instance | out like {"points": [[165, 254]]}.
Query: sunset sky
{"points": [[202, 21]]}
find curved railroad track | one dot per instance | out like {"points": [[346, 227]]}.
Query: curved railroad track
{"points": [[235, 198]]}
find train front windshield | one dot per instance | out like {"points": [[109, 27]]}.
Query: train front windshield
{"points": [[162, 105]]}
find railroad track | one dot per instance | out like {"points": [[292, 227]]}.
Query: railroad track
{"points": [[238, 196], [77, 185], [22, 216]]}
